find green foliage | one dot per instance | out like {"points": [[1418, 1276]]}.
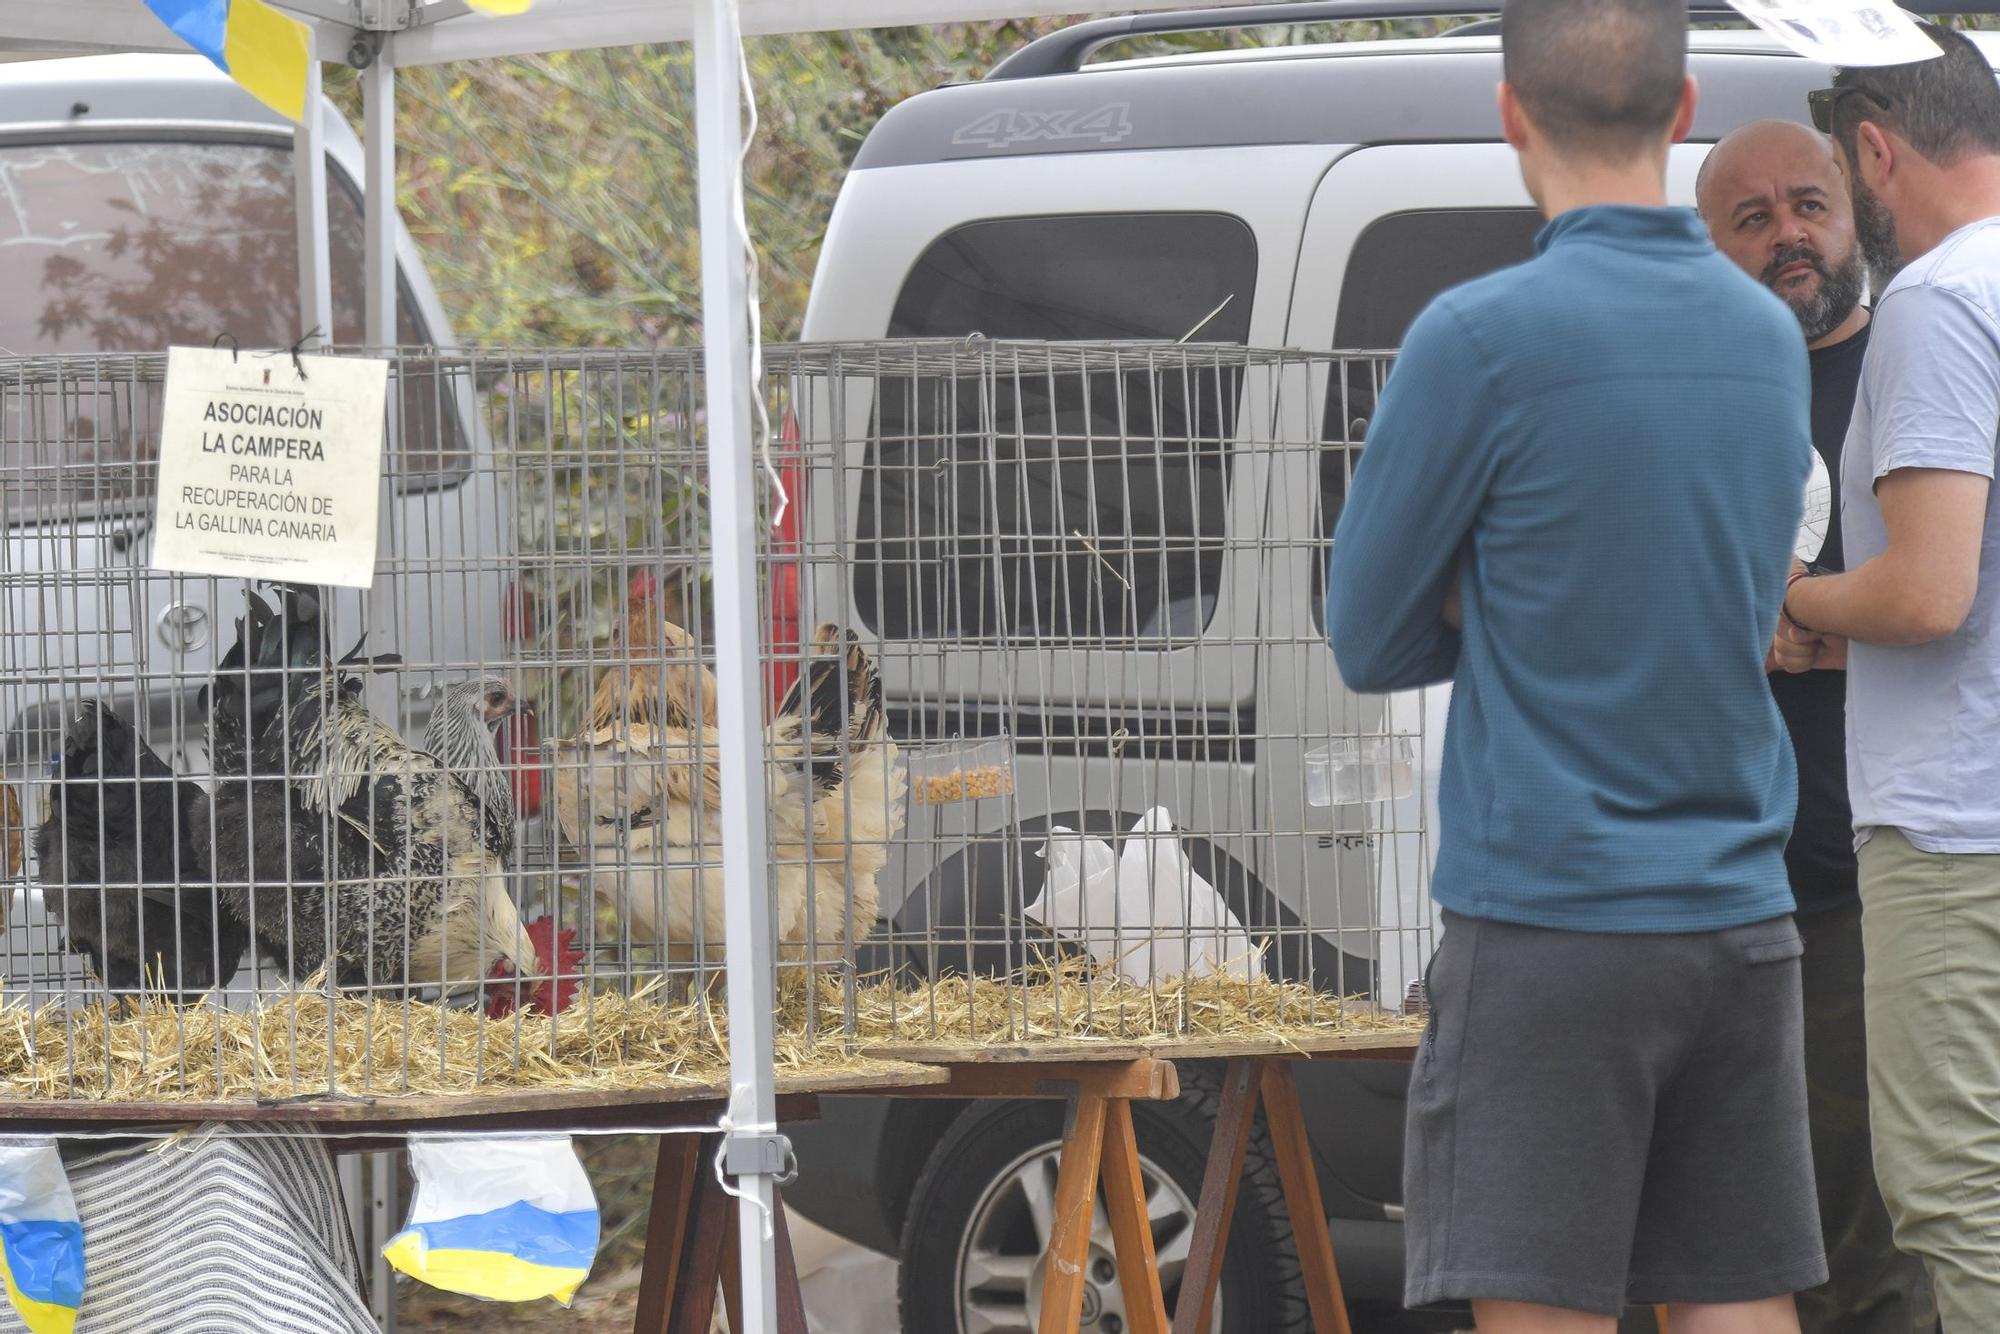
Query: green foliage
{"points": [[609, 495], [554, 196]]}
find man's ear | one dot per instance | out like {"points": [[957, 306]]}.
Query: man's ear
{"points": [[1684, 116], [1877, 154], [1514, 123]]}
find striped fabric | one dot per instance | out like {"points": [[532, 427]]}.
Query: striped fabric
{"points": [[219, 1235]]}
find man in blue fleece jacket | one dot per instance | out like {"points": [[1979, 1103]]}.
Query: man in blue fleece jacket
{"points": [[1598, 459]]}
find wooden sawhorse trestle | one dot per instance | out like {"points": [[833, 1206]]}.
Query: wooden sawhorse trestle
{"points": [[1100, 1150], [1248, 1082], [692, 1241], [691, 1234]]}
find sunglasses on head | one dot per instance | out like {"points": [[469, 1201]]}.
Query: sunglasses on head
{"points": [[1822, 101]]}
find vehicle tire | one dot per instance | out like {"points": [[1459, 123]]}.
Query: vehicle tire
{"points": [[972, 1243]]}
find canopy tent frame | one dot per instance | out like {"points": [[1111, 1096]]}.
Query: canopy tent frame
{"points": [[429, 32], [381, 36]]}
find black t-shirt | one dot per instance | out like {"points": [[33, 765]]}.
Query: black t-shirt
{"points": [[1820, 856]]}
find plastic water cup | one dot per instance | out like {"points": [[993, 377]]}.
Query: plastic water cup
{"points": [[1351, 771]]}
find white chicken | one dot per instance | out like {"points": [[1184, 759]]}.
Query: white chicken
{"points": [[639, 795]]}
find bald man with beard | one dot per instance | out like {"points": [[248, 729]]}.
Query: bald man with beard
{"points": [[1775, 202]]}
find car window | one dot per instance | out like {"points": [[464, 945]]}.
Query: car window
{"points": [[132, 247], [1398, 264], [1040, 507]]}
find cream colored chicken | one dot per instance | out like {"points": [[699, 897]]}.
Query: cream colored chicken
{"points": [[639, 794]]}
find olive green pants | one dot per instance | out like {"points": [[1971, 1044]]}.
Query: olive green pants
{"points": [[1931, 928], [1872, 1288]]}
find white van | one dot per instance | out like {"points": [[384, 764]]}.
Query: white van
{"points": [[147, 201], [1312, 197]]}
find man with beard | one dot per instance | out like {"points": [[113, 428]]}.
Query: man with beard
{"points": [[1920, 146], [1774, 201]]}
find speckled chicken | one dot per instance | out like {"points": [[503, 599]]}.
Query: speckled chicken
{"points": [[460, 734], [302, 767], [122, 858], [638, 793]]}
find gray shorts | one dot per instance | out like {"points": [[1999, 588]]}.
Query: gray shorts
{"points": [[1603, 1120]]}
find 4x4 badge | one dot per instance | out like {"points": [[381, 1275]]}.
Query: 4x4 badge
{"points": [[1107, 124]]}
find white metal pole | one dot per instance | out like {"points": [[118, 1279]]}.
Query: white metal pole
{"points": [[378, 329], [752, 1151], [316, 312], [378, 131], [309, 176]]}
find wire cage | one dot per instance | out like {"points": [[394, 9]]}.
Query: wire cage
{"points": [[1054, 747]]}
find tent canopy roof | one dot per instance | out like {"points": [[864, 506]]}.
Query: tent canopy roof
{"points": [[441, 30]]}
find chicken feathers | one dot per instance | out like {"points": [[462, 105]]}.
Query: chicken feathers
{"points": [[123, 863], [316, 789], [638, 794], [460, 735]]}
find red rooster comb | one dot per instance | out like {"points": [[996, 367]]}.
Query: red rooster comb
{"points": [[547, 995]]}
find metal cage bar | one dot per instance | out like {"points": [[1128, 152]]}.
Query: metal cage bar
{"points": [[1048, 740]]}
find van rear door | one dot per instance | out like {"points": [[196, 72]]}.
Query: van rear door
{"points": [[1390, 228], [1072, 566]]}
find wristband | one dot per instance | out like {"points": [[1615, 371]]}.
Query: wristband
{"points": [[1805, 572]]}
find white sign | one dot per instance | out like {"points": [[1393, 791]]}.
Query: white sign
{"points": [[267, 474], [1842, 32]]}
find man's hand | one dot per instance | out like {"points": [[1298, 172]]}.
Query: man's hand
{"points": [[1922, 586], [1794, 650]]}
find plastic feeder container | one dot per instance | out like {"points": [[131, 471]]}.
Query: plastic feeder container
{"points": [[1355, 770], [962, 771]]}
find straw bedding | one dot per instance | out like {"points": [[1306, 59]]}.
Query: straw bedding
{"points": [[308, 1042]]}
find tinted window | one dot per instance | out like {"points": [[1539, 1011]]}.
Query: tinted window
{"points": [[131, 247], [1398, 264], [1038, 507]]}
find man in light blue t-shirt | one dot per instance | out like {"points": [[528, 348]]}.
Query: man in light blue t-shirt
{"points": [[1921, 605]]}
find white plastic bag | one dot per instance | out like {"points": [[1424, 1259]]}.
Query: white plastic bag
{"points": [[41, 1237], [1145, 911], [509, 1220], [1081, 887], [1405, 848]]}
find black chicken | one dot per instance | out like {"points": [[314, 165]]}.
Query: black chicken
{"points": [[418, 892], [245, 710], [123, 861]]}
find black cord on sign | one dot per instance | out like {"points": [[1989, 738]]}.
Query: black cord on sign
{"points": [[304, 338], [235, 348]]}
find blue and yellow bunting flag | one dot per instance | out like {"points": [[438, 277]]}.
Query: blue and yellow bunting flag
{"points": [[501, 6], [509, 1220], [252, 43], [41, 1237]]}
